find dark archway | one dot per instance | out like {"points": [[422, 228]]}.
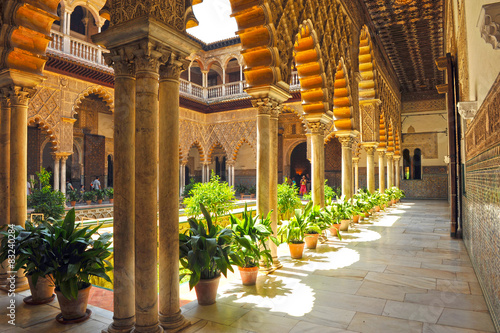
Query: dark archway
{"points": [[110, 171], [417, 164], [406, 164], [299, 164]]}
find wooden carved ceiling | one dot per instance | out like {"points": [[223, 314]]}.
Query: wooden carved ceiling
{"points": [[412, 33]]}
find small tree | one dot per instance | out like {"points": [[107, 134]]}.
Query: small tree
{"points": [[216, 196], [49, 203], [288, 199]]}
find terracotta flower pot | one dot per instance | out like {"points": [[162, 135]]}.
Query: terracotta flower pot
{"points": [[42, 293], [111, 200], [89, 202], [334, 228], [248, 275], [73, 203], [393, 202], [383, 207], [377, 209], [73, 309], [99, 201], [206, 290], [296, 250], [311, 240], [355, 218], [344, 225], [367, 214]]}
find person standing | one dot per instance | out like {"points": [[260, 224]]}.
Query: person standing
{"points": [[28, 188], [96, 184], [308, 184], [303, 186], [69, 186]]}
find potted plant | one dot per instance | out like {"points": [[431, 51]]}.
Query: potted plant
{"points": [[250, 244], [88, 197], [110, 193], [74, 256], [343, 211], [29, 246], [251, 190], [100, 194], [74, 196], [318, 219], [311, 235], [288, 200], [293, 231], [205, 251]]}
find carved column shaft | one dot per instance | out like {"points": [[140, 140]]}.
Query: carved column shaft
{"points": [[5, 160], [146, 191], [381, 170], [390, 170], [170, 313], [370, 167], [273, 180], [63, 175], [124, 198], [317, 163], [57, 166], [263, 157], [346, 142]]}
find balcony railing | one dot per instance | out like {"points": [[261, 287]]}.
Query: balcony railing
{"points": [[92, 55], [77, 49]]}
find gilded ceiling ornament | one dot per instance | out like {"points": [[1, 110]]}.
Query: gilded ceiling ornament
{"points": [[402, 2]]}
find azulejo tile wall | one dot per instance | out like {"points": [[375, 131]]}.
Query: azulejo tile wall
{"points": [[481, 223], [433, 185]]}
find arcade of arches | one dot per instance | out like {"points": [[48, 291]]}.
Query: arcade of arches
{"points": [[365, 94]]}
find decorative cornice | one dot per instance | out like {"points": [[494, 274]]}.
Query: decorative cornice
{"points": [[489, 24]]}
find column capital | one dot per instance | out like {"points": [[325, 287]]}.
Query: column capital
{"points": [[265, 106], [317, 127], [21, 95], [56, 156], [172, 69], [147, 57], [355, 160], [183, 163], [397, 157], [390, 156], [231, 162], [347, 138], [275, 111]]}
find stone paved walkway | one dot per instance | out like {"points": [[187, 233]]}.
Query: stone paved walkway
{"points": [[400, 272]]}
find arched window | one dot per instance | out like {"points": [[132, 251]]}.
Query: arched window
{"points": [[417, 164], [406, 164]]}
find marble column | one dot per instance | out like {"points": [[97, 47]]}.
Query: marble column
{"points": [[381, 170], [397, 175], [124, 198], [230, 173], [263, 157], [146, 191], [5, 112], [57, 166], [273, 179], [318, 163], [390, 170], [170, 313], [370, 166], [182, 177], [346, 141], [63, 174], [19, 164], [355, 160]]}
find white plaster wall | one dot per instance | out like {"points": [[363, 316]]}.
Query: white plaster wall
{"points": [[105, 125], [484, 62], [246, 159]]}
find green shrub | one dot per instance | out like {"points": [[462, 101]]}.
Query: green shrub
{"points": [[187, 189], [288, 199], [49, 203], [216, 196]]}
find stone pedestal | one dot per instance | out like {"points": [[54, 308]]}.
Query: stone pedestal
{"points": [[370, 165], [346, 140], [146, 177], [390, 170], [381, 170], [171, 318], [124, 197]]}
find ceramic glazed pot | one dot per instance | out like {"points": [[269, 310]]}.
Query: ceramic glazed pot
{"points": [[311, 240], [72, 309], [206, 290], [344, 225], [248, 275], [296, 250]]}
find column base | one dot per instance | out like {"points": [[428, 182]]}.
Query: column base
{"points": [[148, 329], [18, 285], [127, 327], [174, 323]]}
